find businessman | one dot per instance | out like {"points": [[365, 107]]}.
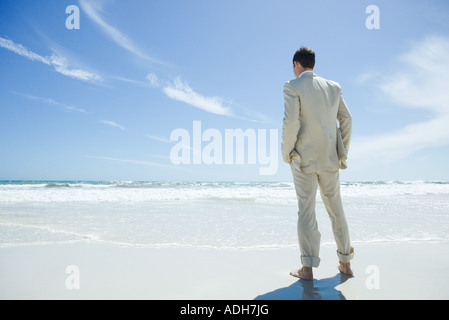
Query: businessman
{"points": [[316, 149]]}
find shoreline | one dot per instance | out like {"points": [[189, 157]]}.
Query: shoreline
{"points": [[103, 271]]}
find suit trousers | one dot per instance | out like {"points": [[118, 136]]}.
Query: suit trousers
{"points": [[306, 185]]}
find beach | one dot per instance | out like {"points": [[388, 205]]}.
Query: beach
{"points": [[216, 241], [113, 272]]}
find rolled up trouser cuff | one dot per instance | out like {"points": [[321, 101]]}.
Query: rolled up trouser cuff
{"points": [[346, 257], [312, 262]]}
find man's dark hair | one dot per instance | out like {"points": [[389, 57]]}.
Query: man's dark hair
{"points": [[306, 57]]}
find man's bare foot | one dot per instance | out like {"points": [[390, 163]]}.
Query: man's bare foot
{"points": [[304, 273], [345, 268]]}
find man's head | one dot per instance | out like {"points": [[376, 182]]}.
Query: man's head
{"points": [[303, 60]]}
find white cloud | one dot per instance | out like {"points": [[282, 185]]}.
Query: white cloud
{"points": [[21, 50], [59, 63], [157, 138], [154, 80], [418, 82], [62, 66], [393, 146], [181, 91], [423, 82], [53, 102], [139, 162], [113, 124], [93, 10]]}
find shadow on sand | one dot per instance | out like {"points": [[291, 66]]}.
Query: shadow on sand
{"points": [[323, 289]]}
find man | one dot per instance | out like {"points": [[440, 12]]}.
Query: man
{"points": [[316, 148]]}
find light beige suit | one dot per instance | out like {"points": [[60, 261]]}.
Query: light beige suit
{"points": [[316, 148]]}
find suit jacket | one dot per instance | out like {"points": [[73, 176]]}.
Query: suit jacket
{"points": [[311, 137]]}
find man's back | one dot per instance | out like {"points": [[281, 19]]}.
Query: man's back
{"points": [[312, 106], [316, 148]]}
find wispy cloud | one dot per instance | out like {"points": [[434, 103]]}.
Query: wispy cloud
{"points": [[139, 162], [62, 66], [59, 63], [50, 101], [131, 81], [113, 124], [418, 82], [93, 9], [181, 91], [158, 138], [22, 51], [153, 80]]}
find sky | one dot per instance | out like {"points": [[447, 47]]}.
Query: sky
{"points": [[154, 90]]}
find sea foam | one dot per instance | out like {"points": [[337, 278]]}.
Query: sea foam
{"points": [[221, 215]]}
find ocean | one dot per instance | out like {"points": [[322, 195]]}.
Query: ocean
{"points": [[216, 215]]}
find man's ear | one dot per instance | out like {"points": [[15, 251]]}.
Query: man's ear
{"points": [[297, 65]]}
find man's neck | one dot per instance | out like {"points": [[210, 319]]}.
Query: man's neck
{"points": [[307, 70]]}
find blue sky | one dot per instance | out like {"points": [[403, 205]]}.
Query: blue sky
{"points": [[101, 102]]}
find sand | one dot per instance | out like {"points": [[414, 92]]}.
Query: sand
{"points": [[105, 271]]}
